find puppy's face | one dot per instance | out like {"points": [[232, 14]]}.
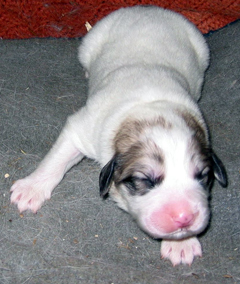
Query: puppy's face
{"points": [[161, 175]]}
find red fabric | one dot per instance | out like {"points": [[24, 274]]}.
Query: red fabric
{"points": [[65, 18]]}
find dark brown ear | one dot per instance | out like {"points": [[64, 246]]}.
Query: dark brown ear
{"points": [[106, 177], [219, 170]]}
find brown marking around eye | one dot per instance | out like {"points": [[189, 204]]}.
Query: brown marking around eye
{"points": [[199, 146], [142, 157]]}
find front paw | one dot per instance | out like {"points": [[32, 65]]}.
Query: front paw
{"points": [[30, 193], [181, 251]]}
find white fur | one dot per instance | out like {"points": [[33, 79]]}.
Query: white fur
{"points": [[140, 61]]}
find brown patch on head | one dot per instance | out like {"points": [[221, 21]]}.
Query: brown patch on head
{"points": [[199, 133], [137, 156], [131, 130]]}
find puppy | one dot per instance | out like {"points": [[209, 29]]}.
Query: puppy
{"points": [[142, 124]]}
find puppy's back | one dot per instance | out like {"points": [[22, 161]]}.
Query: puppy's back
{"points": [[146, 35]]}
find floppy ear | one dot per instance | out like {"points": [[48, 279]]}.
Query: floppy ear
{"points": [[106, 177], [219, 170]]}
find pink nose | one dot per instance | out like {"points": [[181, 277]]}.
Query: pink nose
{"points": [[183, 219], [172, 217]]}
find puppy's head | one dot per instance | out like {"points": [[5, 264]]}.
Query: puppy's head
{"points": [[161, 174]]}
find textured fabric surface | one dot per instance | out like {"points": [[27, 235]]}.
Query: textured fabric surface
{"points": [[65, 18]]}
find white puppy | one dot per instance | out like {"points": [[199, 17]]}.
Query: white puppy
{"points": [[146, 67]]}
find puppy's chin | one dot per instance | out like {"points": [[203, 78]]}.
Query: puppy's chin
{"points": [[177, 235]]}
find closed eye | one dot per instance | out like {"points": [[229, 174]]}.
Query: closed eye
{"points": [[137, 185], [203, 176]]}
